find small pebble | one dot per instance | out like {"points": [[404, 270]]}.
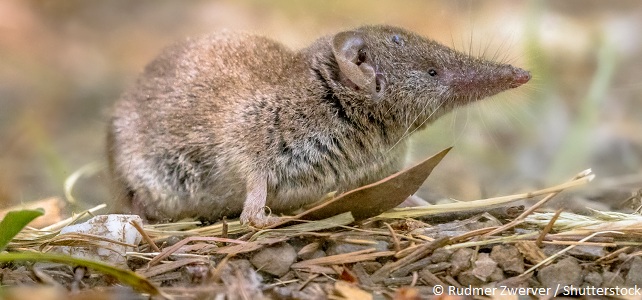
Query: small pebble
{"points": [[566, 272], [468, 278], [371, 266], [634, 276], [275, 260], [460, 260], [441, 255], [509, 258], [593, 279], [612, 279], [585, 252], [484, 267]]}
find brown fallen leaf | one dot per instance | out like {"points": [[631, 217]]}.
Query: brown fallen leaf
{"points": [[53, 208], [376, 198], [348, 276], [345, 290]]}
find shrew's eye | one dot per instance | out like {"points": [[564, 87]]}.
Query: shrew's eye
{"points": [[397, 40], [432, 72]]}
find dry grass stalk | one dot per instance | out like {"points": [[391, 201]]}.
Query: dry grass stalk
{"points": [[250, 246], [76, 239], [552, 257], [413, 212], [171, 266], [548, 228], [145, 236], [419, 253], [518, 220], [169, 251], [613, 255], [306, 226], [346, 258], [498, 240]]}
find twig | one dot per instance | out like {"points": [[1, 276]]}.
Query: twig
{"points": [[500, 240], [452, 281], [71, 219], [552, 257], [415, 277], [502, 213], [612, 255], [312, 277], [164, 268], [168, 251], [580, 243], [346, 258], [217, 271], [470, 234], [225, 228], [419, 253], [395, 239], [146, 237], [548, 228]]}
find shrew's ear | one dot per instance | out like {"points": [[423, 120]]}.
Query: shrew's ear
{"points": [[355, 63]]}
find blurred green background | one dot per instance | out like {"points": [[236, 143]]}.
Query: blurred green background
{"points": [[64, 63]]}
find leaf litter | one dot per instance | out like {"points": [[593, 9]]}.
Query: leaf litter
{"points": [[342, 248]]}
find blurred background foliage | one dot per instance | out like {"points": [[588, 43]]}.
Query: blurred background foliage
{"points": [[64, 63]]}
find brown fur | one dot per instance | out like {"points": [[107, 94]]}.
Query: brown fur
{"points": [[231, 119]]}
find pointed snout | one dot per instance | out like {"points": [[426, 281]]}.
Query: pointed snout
{"points": [[484, 79], [519, 77]]}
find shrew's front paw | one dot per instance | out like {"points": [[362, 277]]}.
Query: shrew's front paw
{"points": [[258, 219]]}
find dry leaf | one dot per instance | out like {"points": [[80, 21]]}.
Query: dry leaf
{"points": [[348, 276], [52, 206], [350, 291], [373, 199]]}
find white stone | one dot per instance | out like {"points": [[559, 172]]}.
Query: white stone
{"points": [[114, 227]]}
